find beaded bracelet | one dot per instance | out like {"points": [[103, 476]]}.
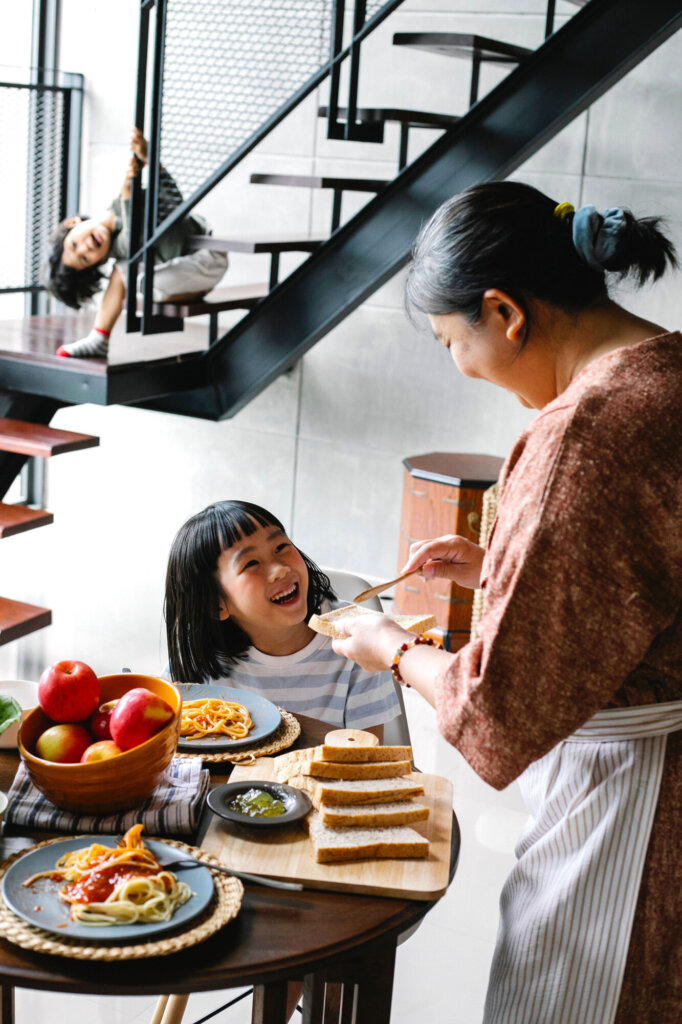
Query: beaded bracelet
{"points": [[395, 663]]}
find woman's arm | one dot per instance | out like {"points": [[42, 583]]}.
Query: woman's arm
{"points": [[372, 641]]}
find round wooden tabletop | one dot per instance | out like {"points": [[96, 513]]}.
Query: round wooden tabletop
{"points": [[276, 935]]}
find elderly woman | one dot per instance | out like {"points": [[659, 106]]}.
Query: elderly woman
{"points": [[575, 683]]}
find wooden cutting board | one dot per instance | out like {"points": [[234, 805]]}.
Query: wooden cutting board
{"points": [[287, 853]]}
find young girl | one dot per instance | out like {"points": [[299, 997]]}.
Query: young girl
{"points": [[238, 598]]}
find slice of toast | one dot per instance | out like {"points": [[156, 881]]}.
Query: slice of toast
{"points": [[357, 791], [402, 812], [289, 764], [326, 623], [344, 844]]}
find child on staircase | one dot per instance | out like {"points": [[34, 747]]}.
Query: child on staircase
{"points": [[80, 246]]}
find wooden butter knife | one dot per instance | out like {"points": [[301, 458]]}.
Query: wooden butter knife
{"points": [[373, 591]]}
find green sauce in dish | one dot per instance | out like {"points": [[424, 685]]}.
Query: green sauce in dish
{"points": [[257, 803]]}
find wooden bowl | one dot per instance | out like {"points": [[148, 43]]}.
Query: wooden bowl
{"points": [[117, 784]]}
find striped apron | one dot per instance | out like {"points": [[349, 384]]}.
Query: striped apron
{"points": [[568, 905]]}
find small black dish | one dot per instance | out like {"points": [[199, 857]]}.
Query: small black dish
{"points": [[297, 803]]}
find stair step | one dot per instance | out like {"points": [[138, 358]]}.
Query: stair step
{"points": [[244, 296], [458, 44], [25, 438], [19, 518], [18, 619], [320, 181], [258, 243], [412, 118]]}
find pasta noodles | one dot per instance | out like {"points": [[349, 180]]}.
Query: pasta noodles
{"points": [[212, 716], [124, 884]]}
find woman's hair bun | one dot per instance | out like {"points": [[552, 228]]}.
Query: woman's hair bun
{"points": [[616, 241]]}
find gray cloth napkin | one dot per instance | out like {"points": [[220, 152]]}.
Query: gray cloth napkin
{"points": [[173, 808]]}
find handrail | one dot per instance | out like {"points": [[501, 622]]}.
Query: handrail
{"points": [[183, 209]]}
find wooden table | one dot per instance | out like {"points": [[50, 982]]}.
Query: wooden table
{"points": [[340, 946]]}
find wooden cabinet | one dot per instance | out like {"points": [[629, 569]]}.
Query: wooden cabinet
{"points": [[442, 493]]}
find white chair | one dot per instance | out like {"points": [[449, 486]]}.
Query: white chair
{"points": [[346, 585]]}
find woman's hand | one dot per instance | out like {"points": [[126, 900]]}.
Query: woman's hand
{"points": [[372, 640], [450, 557]]}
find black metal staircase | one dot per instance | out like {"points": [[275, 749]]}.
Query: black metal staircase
{"points": [[545, 91]]}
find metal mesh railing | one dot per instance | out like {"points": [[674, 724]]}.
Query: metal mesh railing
{"points": [[34, 143], [229, 65]]}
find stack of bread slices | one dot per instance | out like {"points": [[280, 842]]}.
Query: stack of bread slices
{"points": [[363, 799]]}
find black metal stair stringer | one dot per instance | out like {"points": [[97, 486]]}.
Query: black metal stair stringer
{"points": [[572, 69]]}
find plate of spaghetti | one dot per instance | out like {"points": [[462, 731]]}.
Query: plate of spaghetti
{"points": [[93, 888], [217, 718]]}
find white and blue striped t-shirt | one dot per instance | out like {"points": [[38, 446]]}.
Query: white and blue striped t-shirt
{"points": [[318, 683]]}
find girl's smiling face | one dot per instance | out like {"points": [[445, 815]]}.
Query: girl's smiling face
{"points": [[264, 583]]}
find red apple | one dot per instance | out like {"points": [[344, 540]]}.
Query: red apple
{"points": [[63, 743], [101, 751], [138, 715], [68, 691], [99, 723]]}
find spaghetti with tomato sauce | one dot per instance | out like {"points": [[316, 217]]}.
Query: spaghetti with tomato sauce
{"points": [[124, 884]]}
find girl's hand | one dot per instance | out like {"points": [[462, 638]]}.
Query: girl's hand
{"points": [[132, 171], [372, 640], [450, 557], [138, 144]]}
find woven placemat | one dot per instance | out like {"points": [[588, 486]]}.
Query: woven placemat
{"points": [[287, 733], [225, 905]]}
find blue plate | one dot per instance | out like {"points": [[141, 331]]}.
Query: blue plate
{"points": [[40, 904], [265, 716]]}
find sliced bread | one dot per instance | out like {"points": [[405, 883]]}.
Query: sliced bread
{"points": [[326, 623], [344, 844], [357, 791], [284, 769], [354, 755], [402, 812]]}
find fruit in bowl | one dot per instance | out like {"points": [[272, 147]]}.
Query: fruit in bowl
{"points": [[63, 743], [100, 751], [68, 691], [105, 785], [137, 716], [99, 723]]}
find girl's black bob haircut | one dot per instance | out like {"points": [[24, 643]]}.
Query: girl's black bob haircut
{"points": [[70, 286], [200, 645]]}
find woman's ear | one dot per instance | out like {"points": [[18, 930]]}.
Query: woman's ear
{"points": [[70, 222], [223, 613], [511, 317]]}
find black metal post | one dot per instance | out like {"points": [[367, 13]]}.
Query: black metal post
{"points": [[151, 324], [475, 76], [354, 76], [404, 138], [336, 209], [549, 20], [136, 206], [73, 129], [274, 270], [338, 12]]}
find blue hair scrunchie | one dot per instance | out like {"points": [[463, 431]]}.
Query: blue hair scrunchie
{"points": [[596, 235]]}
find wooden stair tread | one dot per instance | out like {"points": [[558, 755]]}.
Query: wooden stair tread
{"points": [[460, 44], [18, 619], [25, 438], [244, 296], [320, 181], [19, 518], [258, 243], [413, 118]]}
